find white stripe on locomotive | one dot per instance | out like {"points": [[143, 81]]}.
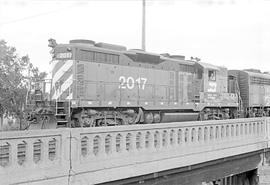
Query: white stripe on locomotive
{"points": [[70, 96], [67, 65], [53, 63], [64, 88]]}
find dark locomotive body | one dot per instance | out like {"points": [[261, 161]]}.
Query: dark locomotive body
{"points": [[99, 84]]}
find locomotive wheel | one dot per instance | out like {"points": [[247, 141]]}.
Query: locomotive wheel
{"points": [[131, 120], [148, 118], [157, 118]]}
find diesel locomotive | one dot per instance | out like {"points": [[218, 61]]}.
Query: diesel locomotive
{"points": [[99, 84]]}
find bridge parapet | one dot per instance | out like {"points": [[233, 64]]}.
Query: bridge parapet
{"points": [[143, 149], [104, 154], [34, 156]]}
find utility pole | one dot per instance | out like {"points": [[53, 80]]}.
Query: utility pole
{"points": [[143, 25]]}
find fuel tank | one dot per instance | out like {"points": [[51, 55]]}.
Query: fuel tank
{"points": [[180, 116]]}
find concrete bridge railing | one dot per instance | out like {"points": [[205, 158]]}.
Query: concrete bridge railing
{"points": [[97, 155], [34, 156]]}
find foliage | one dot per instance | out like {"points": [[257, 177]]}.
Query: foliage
{"points": [[15, 74]]}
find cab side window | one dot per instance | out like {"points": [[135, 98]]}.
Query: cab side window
{"points": [[212, 75]]}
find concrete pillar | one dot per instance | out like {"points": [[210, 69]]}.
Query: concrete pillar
{"points": [[263, 175]]}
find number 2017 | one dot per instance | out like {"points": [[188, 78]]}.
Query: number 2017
{"points": [[129, 82]]}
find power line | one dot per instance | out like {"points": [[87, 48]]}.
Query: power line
{"points": [[34, 16]]}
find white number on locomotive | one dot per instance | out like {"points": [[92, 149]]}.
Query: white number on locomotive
{"points": [[129, 82]]}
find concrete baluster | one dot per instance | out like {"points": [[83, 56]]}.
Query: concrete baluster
{"points": [[228, 132], [180, 138], [192, 135], [158, 139], [29, 153], [232, 131], [189, 141], [123, 142], [172, 138], [164, 139], [205, 134], [151, 140], [195, 139], [237, 130], [90, 153], [217, 132], [101, 152], [13, 152], [132, 141], [45, 150], [241, 128], [142, 140], [246, 130], [212, 133], [253, 129], [262, 128], [113, 144], [200, 135]]}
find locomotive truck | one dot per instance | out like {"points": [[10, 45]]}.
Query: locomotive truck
{"points": [[99, 84]]}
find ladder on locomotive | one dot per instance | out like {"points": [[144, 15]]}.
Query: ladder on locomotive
{"points": [[62, 112]]}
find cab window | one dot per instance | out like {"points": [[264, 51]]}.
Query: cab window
{"points": [[212, 75]]}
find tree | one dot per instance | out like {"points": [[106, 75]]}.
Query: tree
{"points": [[15, 74]]}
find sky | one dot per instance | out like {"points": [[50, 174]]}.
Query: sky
{"points": [[231, 33]]}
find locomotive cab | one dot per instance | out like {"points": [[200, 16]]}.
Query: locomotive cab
{"points": [[215, 100], [214, 78]]}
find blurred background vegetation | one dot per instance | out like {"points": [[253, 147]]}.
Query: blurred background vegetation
{"points": [[16, 75]]}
